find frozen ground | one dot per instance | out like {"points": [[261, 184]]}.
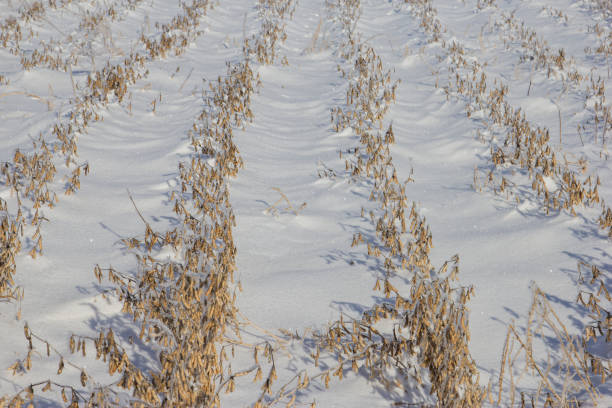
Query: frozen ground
{"points": [[296, 265]]}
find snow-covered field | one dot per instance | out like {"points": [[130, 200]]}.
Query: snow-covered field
{"points": [[501, 122]]}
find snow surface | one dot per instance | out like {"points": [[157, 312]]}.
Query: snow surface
{"points": [[298, 272]]}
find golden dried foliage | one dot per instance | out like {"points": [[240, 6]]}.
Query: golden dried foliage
{"points": [[530, 149], [184, 307], [30, 174], [558, 184], [576, 373], [10, 236], [430, 327], [275, 210]]}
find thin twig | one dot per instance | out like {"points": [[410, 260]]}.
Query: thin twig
{"points": [[136, 208], [185, 81]]}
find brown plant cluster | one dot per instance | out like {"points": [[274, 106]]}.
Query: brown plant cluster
{"points": [[176, 35], [345, 14], [557, 64], [12, 28], [524, 146], [556, 14], [574, 376], [529, 148], [184, 307], [429, 325], [30, 175], [10, 236], [594, 295], [52, 53], [264, 46], [604, 10], [603, 49], [521, 135]]}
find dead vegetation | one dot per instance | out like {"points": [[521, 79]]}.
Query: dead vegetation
{"points": [[569, 375], [274, 208], [518, 146], [429, 325], [529, 148], [184, 307], [557, 65], [65, 53], [524, 145], [31, 175]]}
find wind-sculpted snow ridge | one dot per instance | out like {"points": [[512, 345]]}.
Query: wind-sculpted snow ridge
{"points": [[582, 370], [525, 146], [414, 343], [429, 325], [302, 173], [183, 307], [421, 340], [31, 175]]}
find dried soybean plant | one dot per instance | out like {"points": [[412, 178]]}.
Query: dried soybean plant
{"points": [[399, 336], [577, 363], [29, 175], [531, 47], [601, 111], [65, 53], [530, 148], [96, 396], [11, 239], [429, 328], [593, 294], [604, 7], [11, 29], [568, 379], [557, 14], [344, 15], [184, 307], [264, 45], [557, 64], [557, 184], [273, 209], [603, 49]]}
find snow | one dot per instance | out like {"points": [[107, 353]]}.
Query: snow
{"points": [[295, 262]]}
